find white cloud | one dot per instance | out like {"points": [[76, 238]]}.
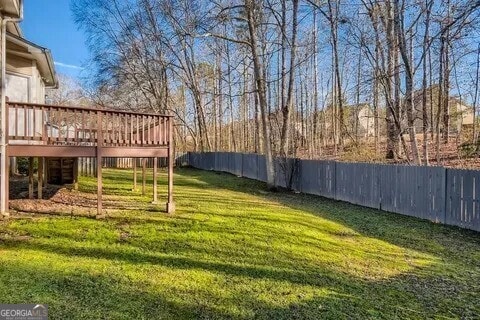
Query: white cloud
{"points": [[70, 66]]}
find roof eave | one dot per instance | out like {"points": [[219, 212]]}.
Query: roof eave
{"points": [[42, 56], [10, 8]]}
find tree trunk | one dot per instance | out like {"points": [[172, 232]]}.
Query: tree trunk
{"points": [[424, 83], [286, 108], [402, 43], [261, 89]]}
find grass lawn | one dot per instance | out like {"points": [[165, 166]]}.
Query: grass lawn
{"points": [[234, 251]]}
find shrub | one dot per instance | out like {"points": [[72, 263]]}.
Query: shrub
{"points": [[22, 165]]}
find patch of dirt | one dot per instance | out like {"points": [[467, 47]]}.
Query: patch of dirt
{"points": [[62, 200], [124, 236], [14, 237], [56, 199]]}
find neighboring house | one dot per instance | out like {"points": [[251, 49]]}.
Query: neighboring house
{"points": [[359, 120], [461, 114], [296, 126]]}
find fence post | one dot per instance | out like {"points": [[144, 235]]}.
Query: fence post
{"points": [[241, 164], [446, 196], [334, 180]]}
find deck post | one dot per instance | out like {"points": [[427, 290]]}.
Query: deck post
{"points": [[30, 177], [155, 171], [134, 163], [144, 175], [100, 214], [4, 192], [40, 172], [170, 203], [75, 174], [44, 172], [4, 159]]}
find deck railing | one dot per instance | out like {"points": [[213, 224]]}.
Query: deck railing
{"points": [[66, 125]]}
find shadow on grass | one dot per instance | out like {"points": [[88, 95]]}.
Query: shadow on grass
{"points": [[71, 291], [401, 230], [73, 294], [70, 297], [255, 276]]}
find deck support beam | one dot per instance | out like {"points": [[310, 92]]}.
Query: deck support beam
{"points": [[30, 177], [75, 174], [100, 214], [40, 182], [134, 162], [155, 171], [4, 188], [170, 204], [144, 175]]}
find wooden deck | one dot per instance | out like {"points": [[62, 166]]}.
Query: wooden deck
{"points": [[36, 130]]}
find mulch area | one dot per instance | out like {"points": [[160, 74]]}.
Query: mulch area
{"points": [[60, 200]]}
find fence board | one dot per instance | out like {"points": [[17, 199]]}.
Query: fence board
{"points": [[318, 177], [237, 164], [414, 191], [262, 168], [250, 166], [463, 194], [358, 183]]}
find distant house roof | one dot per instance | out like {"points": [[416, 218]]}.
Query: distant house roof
{"points": [[357, 106], [434, 91]]}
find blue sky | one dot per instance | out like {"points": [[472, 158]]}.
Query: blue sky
{"points": [[49, 23]]}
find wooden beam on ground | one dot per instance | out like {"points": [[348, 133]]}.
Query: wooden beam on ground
{"points": [[40, 178], [30, 177], [155, 172]]}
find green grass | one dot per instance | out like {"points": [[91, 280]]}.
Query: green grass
{"points": [[234, 251]]}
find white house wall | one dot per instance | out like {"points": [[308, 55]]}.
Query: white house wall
{"points": [[24, 84]]}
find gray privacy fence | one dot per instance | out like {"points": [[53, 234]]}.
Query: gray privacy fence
{"points": [[441, 195]]}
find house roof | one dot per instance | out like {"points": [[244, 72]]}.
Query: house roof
{"points": [[434, 92], [357, 106], [10, 8], [42, 56]]}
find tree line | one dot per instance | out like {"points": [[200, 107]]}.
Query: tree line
{"points": [[292, 78]]}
